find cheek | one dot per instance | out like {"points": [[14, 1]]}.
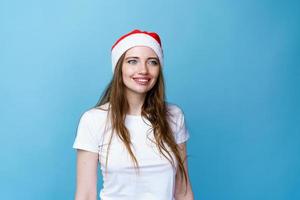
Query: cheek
{"points": [[155, 73], [124, 72], [127, 71]]}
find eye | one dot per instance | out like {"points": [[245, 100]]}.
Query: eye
{"points": [[153, 62], [132, 61]]}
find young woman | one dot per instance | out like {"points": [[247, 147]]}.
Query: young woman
{"points": [[137, 137]]}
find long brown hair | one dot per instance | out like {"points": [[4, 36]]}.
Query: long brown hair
{"points": [[154, 109]]}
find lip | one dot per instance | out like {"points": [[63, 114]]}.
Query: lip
{"points": [[142, 77], [141, 80]]}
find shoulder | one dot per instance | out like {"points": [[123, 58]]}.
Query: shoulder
{"points": [[174, 109], [177, 122], [96, 111], [175, 114], [95, 115]]}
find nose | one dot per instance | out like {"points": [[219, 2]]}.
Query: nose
{"points": [[143, 69]]}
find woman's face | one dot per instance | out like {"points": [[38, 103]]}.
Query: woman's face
{"points": [[140, 70]]}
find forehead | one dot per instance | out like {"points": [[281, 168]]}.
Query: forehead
{"points": [[140, 51]]}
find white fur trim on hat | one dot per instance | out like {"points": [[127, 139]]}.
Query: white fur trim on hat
{"points": [[137, 39]]}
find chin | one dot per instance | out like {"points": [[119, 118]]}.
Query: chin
{"points": [[139, 91]]}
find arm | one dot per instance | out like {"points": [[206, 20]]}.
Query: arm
{"points": [[87, 164], [179, 187]]}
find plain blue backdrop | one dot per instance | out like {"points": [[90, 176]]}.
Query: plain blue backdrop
{"points": [[233, 66]]}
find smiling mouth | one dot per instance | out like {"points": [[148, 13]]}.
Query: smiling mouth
{"points": [[142, 81]]}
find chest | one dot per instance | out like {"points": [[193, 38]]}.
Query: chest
{"points": [[143, 147]]}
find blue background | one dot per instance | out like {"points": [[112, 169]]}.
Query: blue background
{"points": [[233, 66]]}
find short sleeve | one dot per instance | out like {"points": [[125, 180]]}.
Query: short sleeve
{"points": [[178, 124], [86, 138], [182, 133]]}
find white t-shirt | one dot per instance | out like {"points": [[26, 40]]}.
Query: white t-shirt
{"points": [[156, 180]]}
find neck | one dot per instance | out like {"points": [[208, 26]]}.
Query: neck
{"points": [[135, 102]]}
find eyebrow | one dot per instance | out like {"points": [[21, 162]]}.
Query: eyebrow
{"points": [[138, 57]]}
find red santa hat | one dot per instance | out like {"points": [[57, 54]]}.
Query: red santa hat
{"points": [[136, 38]]}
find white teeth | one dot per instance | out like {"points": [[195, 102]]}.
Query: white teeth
{"points": [[142, 80]]}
